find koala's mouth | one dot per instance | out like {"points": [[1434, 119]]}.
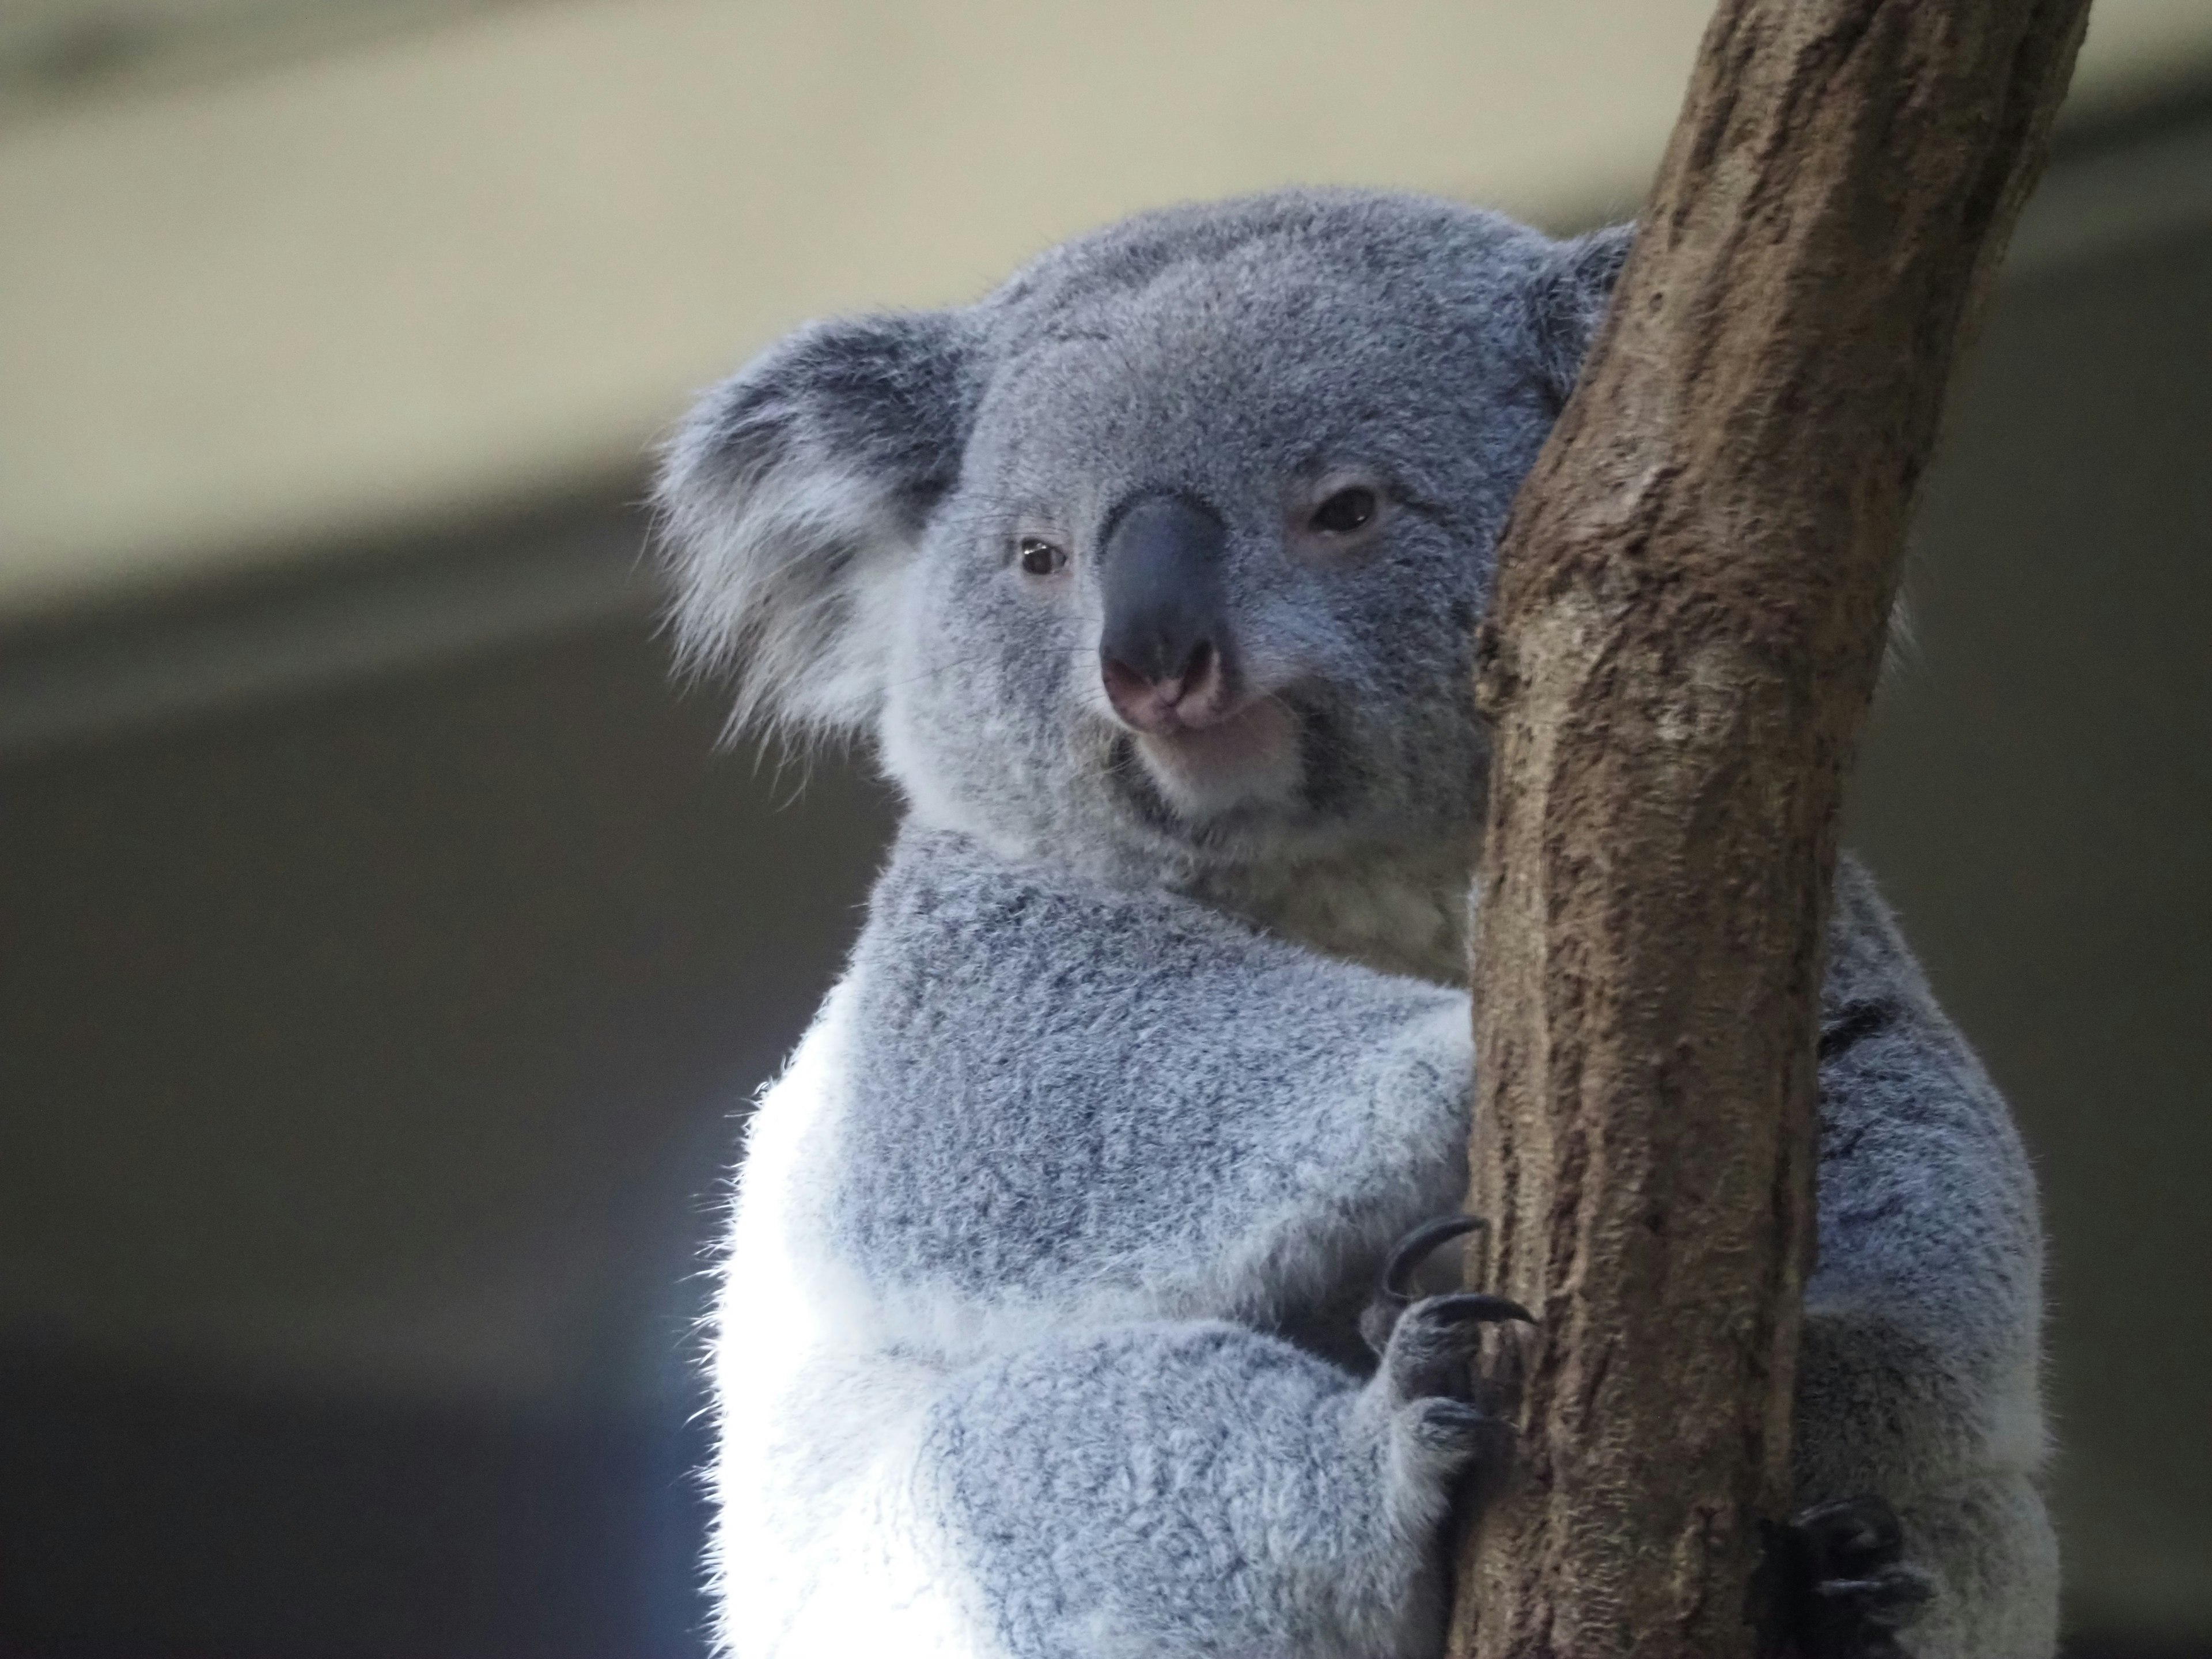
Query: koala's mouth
{"points": [[1250, 759], [1277, 764]]}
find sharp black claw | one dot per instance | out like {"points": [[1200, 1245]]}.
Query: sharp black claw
{"points": [[1416, 1246], [1461, 1414], [1471, 1307]]}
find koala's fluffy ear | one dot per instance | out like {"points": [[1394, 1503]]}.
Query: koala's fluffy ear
{"points": [[789, 499], [1569, 299]]}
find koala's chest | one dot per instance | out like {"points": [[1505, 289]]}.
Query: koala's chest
{"points": [[1405, 916]]}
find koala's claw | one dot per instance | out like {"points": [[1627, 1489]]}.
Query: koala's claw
{"points": [[1849, 1588], [1416, 1246], [1395, 1293], [1474, 1308]]}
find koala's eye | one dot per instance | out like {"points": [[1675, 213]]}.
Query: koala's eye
{"points": [[1041, 557], [1346, 511]]}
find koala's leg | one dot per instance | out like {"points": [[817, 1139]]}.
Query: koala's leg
{"points": [[1203, 1489], [1918, 1381], [1993, 1562], [1955, 1454]]}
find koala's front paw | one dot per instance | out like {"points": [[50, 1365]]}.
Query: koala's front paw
{"points": [[1426, 1348], [1848, 1588], [1437, 1424]]}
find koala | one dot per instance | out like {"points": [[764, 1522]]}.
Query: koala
{"points": [[1050, 1323]]}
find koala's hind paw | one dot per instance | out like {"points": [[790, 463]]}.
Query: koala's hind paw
{"points": [[1848, 1588]]}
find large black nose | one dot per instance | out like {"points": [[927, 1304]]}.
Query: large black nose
{"points": [[1162, 648]]}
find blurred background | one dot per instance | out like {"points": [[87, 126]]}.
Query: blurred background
{"points": [[386, 948]]}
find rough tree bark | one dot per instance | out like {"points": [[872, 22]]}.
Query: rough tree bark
{"points": [[1687, 630]]}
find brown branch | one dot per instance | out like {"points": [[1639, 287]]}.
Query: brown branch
{"points": [[1687, 630]]}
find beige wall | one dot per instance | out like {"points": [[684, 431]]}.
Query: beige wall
{"points": [[243, 315]]}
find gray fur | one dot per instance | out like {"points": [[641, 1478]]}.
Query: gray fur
{"points": [[1038, 1333]]}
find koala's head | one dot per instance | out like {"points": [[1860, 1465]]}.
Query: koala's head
{"points": [[1172, 547]]}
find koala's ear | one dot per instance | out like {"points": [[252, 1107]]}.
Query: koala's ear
{"points": [[790, 498], [1569, 298]]}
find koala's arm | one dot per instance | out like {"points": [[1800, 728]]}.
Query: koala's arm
{"points": [[1089, 1104], [1919, 1376], [1191, 1488]]}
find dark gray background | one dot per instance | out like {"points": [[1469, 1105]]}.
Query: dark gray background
{"points": [[384, 956]]}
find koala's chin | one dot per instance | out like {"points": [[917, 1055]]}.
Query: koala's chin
{"points": [[1244, 767]]}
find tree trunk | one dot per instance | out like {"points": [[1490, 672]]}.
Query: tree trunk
{"points": [[1688, 622]]}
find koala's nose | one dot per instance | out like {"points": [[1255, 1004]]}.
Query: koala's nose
{"points": [[1162, 651]]}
